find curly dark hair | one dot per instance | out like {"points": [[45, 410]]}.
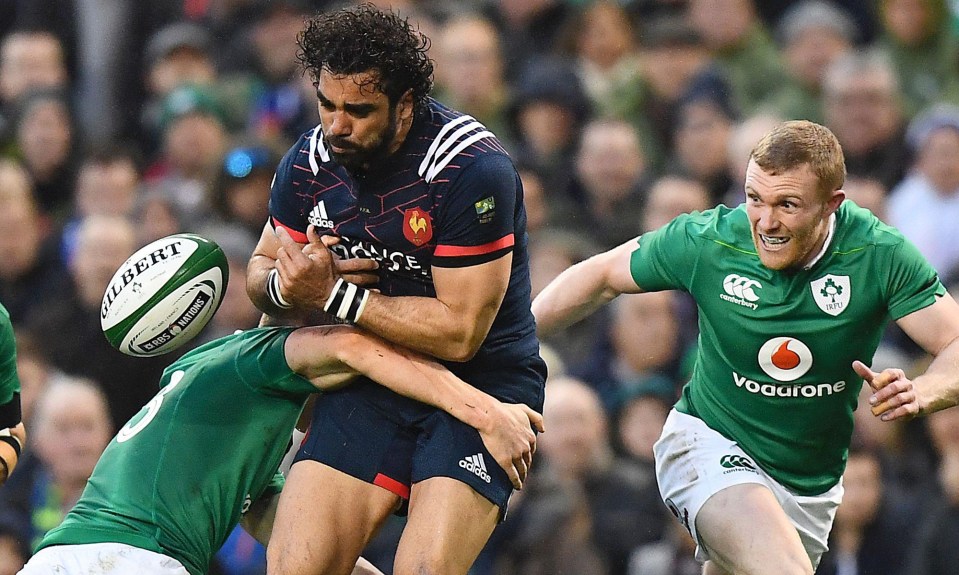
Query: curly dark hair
{"points": [[363, 39]]}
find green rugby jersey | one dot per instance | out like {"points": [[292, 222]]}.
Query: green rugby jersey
{"points": [[774, 370], [9, 382], [178, 475]]}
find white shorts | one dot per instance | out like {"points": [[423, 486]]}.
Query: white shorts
{"points": [[694, 462], [101, 559]]}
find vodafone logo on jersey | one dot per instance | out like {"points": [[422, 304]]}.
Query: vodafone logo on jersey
{"points": [[785, 358]]}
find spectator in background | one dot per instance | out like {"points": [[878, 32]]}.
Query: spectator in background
{"points": [[812, 34], [671, 54], [260, 67], [29, 60], [601, 43], [539, 207], [670, 196], [917, 36], [470, 71], [705, 119], [635, 355], [641, 411], [606, 188], [548, 531], [863, 107], [103, 243], [742, 47], [936, 548], [743, 139], [241, 191], [108, 183], [867, 536], [157, 214], [925, 206], [71, 428], [551, 251], [45, 140], [623, 499], [530, 30], [868, 193], [674, 554], [14, 550], [30, 270], [194, 141], [176, 55], [546, 115]]}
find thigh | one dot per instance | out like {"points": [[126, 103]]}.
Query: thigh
{"points": [[324, 519], [449, 524], [745, 531], [447, 447]]}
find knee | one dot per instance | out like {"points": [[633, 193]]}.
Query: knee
{"points": [[286, 562], [424, 566]]}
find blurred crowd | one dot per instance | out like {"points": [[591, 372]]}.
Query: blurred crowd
{"points": [[125, 121]]}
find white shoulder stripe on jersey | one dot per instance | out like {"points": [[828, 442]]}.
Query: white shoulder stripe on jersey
{"points": [[317, 145], [449, 157], [439, 155], [439, 139]]}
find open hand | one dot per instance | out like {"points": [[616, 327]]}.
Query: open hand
{"points": [[895, 395], [511, 440]]}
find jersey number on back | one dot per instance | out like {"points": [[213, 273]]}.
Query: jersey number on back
{"points": [[152, 408]]}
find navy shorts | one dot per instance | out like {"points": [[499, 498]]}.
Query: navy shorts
{"points": [[370, 433]]}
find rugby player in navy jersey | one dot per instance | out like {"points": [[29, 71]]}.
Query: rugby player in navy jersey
{"points": [[393, 179]]}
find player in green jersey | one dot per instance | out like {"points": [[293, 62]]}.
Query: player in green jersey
{"points": [[203, 454], [793, 288], [12, 433]]}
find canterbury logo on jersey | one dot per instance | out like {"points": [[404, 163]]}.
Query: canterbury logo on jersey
{"points": [[318, 216], [741, 290], [452, 139], [476, 465]]}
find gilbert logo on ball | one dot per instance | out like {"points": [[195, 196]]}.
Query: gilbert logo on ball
{"points": [[163, 295]]}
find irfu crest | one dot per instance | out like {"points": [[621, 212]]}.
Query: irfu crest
{"points": [[831, 293]]}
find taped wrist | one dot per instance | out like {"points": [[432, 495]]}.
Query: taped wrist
{"points": [[273, 290], [9, 463], [347, 301]]}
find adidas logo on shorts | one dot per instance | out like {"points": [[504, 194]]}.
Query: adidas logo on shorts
{"points": [[475, 464]]}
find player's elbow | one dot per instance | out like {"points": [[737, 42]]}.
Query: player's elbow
{"points": [[463, 348]]}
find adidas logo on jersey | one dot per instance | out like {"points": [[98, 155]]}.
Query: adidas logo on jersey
{"points": [[319, 218], [741, 290], [476, 465]]}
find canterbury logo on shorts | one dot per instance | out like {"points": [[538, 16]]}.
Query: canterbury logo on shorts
{"points": [[737, 462]]}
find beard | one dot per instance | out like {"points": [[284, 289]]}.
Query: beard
{"points": [[364, 158]]}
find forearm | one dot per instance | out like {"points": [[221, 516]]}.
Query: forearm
{"points": [[573, 295], [939, 385], [425, 324], [418, 378]]}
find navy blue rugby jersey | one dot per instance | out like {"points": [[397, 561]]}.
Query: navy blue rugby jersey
{"points": [[449, 197]]}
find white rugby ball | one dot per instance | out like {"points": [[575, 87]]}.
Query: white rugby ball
{"points": [[163, 295]]}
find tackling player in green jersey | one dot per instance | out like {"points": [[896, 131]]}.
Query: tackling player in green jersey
{"points": [[794, 289], [12, 434], [203, 454]]}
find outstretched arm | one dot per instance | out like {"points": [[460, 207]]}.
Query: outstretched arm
{"points": [[936, 329], [584, 288], [331, 356]]}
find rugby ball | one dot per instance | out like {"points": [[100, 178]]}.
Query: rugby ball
{"points": [[163, 295]]}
